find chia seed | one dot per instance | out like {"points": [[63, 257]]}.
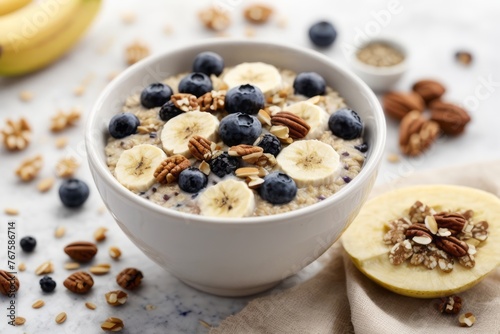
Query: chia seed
{"points": [[152, 135], [166, 197], [345, 154], [346, 179]]}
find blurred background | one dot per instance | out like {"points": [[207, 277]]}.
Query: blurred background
{"points": [[432, 32]]}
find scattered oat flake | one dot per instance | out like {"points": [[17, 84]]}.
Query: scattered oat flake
{"points": [[61, 317], [135, 52], [66, 167], [393, 158], [30, 168], [90, 306], [45, 184], [21, 266], [100, 269], [62, 120], [79, 90], [150, 307], [205, 324], [115, 252], [282, 22], [214, 18], [61, 142], [128, 17], [45, 268], [19, 321], [60, 232], [11, 211], [16, 134], [26, 96], [102, 209], [38, 304], [71, 266], [100, 234], [250, 32], [168, 30]]}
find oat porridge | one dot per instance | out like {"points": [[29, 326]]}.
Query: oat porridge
{"points": [[248, 140]]}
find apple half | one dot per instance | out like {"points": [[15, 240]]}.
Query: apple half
{"points": [[363, 240]]}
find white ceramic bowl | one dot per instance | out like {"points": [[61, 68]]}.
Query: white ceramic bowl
{"points": [[233, 257], [381, 79]]}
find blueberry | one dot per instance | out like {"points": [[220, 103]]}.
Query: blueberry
{"points": [[28, 244], [309, 84], [224, 164], [346, 124], [192, 180], [169, 111], [270, 143], [155, 95], [47, 284], [208, 63], [239, 128], [195, 83], [123, 125], [278, 188], [73, 193], [247, 99], [322, 34]]}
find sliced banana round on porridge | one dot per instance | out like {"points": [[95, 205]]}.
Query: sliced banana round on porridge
{"points": [[313, 115], [426, 241], [262, 75], [177, 131], [136, 167], [309, 162], [229, 198]]}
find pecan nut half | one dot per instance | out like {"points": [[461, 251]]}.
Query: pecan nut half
{"points": [[201, 148], [419, 233], [451, 118], [212, 101], [298, 128], [129, 278], [416, 134], [81, 251], [250, 154], [168, 171], [185, 102], [454, 222], [450, 305], [8, 283], [429, 90], [397, 104], [79, 282], [452, 246]]}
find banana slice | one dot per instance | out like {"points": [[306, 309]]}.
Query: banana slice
{"points": [[309, 162], [264, 76], [229, 198], [177, 131], [315, 116], [136, 167]]}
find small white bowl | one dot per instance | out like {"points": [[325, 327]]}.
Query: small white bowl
{"points": [[234, 257], [380, 79]]}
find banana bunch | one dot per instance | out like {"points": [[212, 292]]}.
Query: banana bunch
{"points": [[35, 34]]}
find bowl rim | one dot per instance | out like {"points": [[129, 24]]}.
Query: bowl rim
{"points": [[368, 169], [384, 70]]}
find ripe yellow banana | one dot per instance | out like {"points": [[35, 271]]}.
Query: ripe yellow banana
{"points": [[9, 6], [38, 34]]}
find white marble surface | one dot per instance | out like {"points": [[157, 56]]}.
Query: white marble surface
{"points": [[432, 31]]}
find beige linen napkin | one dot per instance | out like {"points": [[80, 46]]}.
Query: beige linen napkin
{"points": [[339, 299]]}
